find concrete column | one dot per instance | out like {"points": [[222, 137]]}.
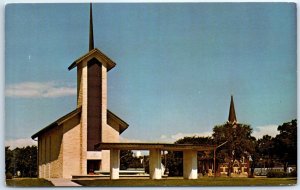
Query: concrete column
{"points": [[114, 163], [190, 169], [155, 164]]}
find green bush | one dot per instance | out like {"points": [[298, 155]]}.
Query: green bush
{"points": [[8, 175], [273, 174], [293, 173], [251, 176]]}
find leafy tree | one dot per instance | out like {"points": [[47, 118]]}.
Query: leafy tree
{"points": [[8, 161], [196, 140], [255, 160], [23, 160], [238, 142], [26, 161], [175, 163], [127, 160], [265, 149], [286, 143]]}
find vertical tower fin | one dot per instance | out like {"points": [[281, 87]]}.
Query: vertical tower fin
{"points": [[91, 41]]}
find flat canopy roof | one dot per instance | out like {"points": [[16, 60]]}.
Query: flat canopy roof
{"points": [[147, 146]]}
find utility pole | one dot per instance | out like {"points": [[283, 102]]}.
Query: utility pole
{"points": [[215, 149]]}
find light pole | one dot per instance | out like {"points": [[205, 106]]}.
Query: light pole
{"points": [[215, 149], [30, 165]]}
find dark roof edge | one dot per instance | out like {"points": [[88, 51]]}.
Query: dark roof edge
{"points": [[147, 146], [74, 64], [58, 122]]}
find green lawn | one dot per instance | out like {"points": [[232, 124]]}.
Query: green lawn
{"points": [[198, 182], [28, 182]]}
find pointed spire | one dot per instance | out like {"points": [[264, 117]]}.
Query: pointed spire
{"points": [[91, 41], [232, 116]]}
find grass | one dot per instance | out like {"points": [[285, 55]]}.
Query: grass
{"points": [[28, 182], [221, 181]]}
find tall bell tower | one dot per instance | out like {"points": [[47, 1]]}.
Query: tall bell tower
{"points": [[92, 71]]}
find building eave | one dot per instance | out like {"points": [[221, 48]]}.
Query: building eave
{"points": [[109, 63]]}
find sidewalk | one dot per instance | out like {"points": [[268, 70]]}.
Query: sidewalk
{"points": [[63, 182]]}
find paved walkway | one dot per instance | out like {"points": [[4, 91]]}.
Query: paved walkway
{"points": [[63, 182]]}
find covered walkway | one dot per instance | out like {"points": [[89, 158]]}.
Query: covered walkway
{"points": [[190, 167]]}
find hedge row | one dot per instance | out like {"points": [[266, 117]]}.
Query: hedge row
{"points": [[279, 174]]}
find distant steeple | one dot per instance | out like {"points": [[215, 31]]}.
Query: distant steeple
{"points": [[91, 41], [232, 117]]}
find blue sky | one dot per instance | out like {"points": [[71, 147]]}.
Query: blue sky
{"points": [[177, 65]]}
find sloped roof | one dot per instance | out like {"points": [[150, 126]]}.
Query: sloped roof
{"points": [[58, 122], [94, 53], [123, 125]]}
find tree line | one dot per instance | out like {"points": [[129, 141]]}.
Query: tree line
{"points": [[21, 162]]}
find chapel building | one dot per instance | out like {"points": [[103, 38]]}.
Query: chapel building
{"points": [[66, 146], [238, 168]]}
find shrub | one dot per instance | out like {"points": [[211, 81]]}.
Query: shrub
{"points": [[293, 173], [273, 174], [251, 176], [8, 175]]}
